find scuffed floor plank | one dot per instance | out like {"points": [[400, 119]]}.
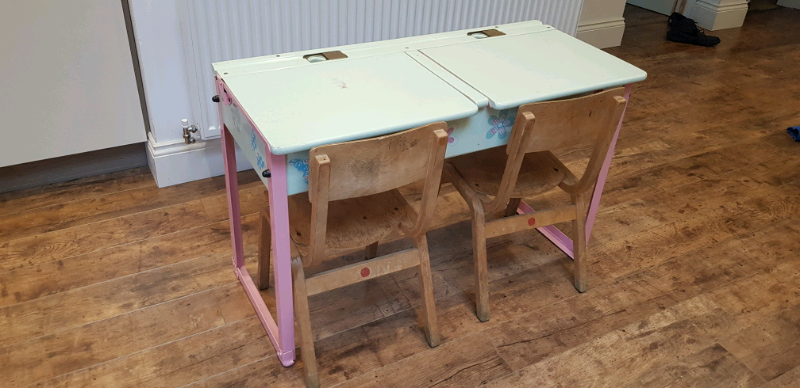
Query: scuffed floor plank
{"points": [[675, 347]]}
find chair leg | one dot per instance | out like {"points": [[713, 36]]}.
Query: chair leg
{"points": [[481, 270], [513, 204], [428, 301], [264, 250], [304, 322], [371, 251], [579, 242]]}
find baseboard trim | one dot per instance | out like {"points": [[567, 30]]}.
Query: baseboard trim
{"points": [[718, 16], [173, 164], [604, 34], [789, 3], [71, 167]]}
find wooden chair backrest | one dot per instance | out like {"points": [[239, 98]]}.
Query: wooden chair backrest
{"points": [[365, 167], [552, 125], [575, 121]]}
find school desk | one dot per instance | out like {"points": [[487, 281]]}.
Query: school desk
{"points": [[277, 107]]}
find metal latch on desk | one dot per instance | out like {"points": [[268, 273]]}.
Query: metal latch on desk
{"points": [[326, 56], [485, 33]]}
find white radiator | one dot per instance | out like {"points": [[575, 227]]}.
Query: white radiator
{"points": [[219, 30]]}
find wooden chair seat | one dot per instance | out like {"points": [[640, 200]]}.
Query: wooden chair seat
{"points": [[483, 171], [352, 222]]}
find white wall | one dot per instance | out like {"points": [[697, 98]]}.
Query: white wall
{"points": [[601, 23], [67, 80]]}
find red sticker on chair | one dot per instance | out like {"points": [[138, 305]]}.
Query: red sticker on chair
{"points": [[364, 272], [531, 221]]}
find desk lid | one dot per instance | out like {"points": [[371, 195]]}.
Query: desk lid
{"points": [[409, 44], [345, 99], [513, 70]]}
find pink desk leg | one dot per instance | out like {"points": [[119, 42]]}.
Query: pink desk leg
{"points": [[281, 333], [282, 256], [552, 233]]}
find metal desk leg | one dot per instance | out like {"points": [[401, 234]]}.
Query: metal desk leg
{"points": [[281, 334], [282, 256], [552, 233]]}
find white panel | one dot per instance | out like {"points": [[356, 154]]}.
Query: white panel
{"points": [[598, 11], [717, 14], [67, 79], [602, 34], [221, 30], [163, 68]]}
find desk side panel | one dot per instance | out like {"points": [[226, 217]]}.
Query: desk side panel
{"points": [[247, 139], [486, 129]]}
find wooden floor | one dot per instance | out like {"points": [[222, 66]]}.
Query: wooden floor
{"points": [[695, 281]]}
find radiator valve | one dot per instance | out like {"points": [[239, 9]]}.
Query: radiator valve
{"points": [[188, 130]]}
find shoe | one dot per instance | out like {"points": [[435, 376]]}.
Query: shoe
{"points": [[685, 30], [677, 20], [699, 39]]}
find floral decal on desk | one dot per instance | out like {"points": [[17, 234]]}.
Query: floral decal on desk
{"points": [[262, 164], [302, 166], [501, 125], [450, 138]]}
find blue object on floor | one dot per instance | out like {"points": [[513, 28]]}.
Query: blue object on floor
{"points": [[794, 132]]}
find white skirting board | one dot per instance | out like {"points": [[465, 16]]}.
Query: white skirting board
{"points": [[789, 3], [180, 163], [709, 14], [603, 34], [717, 14]]}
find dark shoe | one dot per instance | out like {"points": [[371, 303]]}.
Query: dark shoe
{"points": [[699, 39], [682, 23], [685, 30], [794, 132]]}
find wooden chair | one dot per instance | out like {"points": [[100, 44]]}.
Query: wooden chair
{"points": [[493, 180], [353, 202]]}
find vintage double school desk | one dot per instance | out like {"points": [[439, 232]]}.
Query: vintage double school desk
{"points": [[277, 107]]}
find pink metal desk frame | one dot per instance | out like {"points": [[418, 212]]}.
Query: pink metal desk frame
{"points": [[281, 333]]}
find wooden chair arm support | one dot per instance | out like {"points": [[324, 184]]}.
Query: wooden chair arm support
{"points": [[589, 178], [408, 225], [470, 196], [320, 171], [432, 183], [520, 135]]}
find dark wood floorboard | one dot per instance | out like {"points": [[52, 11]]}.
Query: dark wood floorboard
{"points": [[694, 277]]}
